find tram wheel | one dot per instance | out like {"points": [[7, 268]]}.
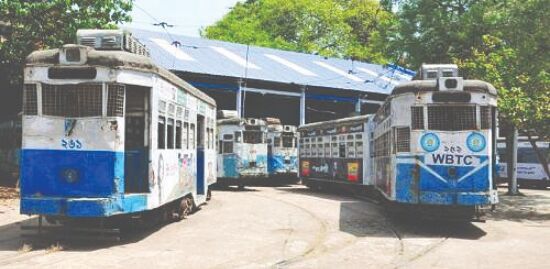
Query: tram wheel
{"points": [[183, 209], [190, 205]]}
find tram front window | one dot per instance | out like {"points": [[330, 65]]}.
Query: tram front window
{"points": [[288, 141], [252, 137]]}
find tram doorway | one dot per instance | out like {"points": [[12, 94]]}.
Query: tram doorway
{"points": [[136, 142], [201, 130]]}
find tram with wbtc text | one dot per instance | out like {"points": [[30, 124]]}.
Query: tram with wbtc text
{"points": [[430, 146], [106, 132]]}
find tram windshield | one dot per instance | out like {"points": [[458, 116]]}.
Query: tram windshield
{"points": [[253, 137], [80, 100], [288, 140]]}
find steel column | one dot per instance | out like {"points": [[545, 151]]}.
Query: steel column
{"points": [[303, 106]]}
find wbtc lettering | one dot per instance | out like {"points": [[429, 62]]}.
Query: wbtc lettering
{"points": [[452, 159]]}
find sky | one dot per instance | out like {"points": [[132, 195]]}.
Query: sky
{"points": [[187, 16]]}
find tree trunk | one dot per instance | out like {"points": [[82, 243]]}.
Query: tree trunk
{"points": [[542, 159]]}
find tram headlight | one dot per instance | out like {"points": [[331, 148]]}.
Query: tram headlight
{"points": [[70, 175]]}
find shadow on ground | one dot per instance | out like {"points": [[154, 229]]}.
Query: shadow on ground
{"points": [[370, 218], [529, 205], [13, 238]]}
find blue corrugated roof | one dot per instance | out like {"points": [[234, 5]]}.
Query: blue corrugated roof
{"points": [[212, 57]]}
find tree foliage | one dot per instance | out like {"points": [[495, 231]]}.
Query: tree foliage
{"points": [[50, 23], [503, 42], [344, 28]]}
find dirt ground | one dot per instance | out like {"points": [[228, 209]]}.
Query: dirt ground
{"points": [[294, 227]]}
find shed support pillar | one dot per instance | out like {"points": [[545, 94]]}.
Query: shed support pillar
{"points": [[358, 106], [239, 102], [303, 106]]}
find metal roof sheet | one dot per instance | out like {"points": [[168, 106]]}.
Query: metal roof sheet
{"points": [[220, 58]]}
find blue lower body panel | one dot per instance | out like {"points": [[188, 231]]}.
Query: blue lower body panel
{"points": [[417, 183], [84, 207]]}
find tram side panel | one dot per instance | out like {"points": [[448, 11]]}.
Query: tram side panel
{"points": [[334, 154]]}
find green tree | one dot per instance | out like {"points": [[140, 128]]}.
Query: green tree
{"points": [[343, 28], [40, 24]]}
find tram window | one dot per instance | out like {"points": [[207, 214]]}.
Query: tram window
{"points": [[350, 137], [178, 134], [313, 150], [161, 133], [115, 101], [432, 74], [486, 117], [451, 118], [228, 137], [277, 141], [351, 149], [30, 104], [253, 137], [327, 149], [334, 138], [320, 150], [170, 134], [238, 137], [82, 100], [359, 149], [191, 137], [417, 117], [335, 149], [162, 106], [402, 139], [287, 141], [185, 135], [342, 150], [227, 146]]}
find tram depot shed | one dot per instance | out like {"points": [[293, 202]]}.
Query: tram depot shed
{"points": [[262, 82]]}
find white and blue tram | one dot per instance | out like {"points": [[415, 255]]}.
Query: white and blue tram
{"points": [[282, 149], [107, 132], [242, 153], [432, 143], [530, 171]]}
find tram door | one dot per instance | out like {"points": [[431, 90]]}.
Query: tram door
{"points": [[136, 143], [200, 154]]}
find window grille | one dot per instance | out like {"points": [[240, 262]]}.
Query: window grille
{"points": [[83, 100], [30, 105], [359, 149], [288, 141], [252, 137], [403, 139], [227, 147], [451, 118], [115, 102], [486, 117], [382, 145], [351, 148], [417, 117]]}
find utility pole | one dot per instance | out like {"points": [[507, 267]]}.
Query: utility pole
{"points": [[513, 164]]}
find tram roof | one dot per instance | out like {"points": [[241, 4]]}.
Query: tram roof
{"points": [[323, 124], [119, 60], [205, 57], [469, 85]]}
